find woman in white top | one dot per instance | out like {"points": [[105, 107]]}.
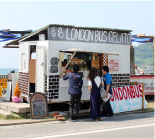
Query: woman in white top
{"points": [[94, 85]]}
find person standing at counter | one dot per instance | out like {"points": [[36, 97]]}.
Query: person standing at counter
{"points": [[107, 79], [75, 86], [94, 84]]}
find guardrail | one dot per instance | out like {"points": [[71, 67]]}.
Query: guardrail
{"points": [[3, 77], [136, 83]]}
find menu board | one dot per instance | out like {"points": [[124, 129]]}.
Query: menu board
{"points": [[38, 105], [96, 63]]}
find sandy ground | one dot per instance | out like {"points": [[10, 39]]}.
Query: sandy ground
{"points": [[150, 104]]}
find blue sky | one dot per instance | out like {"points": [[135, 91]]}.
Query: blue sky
{"points": [[17, 15]]}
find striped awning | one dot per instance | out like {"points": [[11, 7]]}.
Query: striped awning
{"points": [[142, 38], [5, 36]]}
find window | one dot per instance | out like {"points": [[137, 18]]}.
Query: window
{"points": [[32, 51], [85, 60]]}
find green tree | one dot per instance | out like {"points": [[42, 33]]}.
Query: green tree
{"points": [[144, 55]]}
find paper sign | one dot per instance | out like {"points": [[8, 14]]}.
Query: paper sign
{"points": [[113, 65], [127, 98]]}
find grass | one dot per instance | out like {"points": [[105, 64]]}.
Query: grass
{"points": [[8, 118], [15, 116], [2, 116], [20, 115], [149, 109], [48, 118]]}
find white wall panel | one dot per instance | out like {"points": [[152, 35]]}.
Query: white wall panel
{"points": [[126, 59], [40, 69], [45, 44], [24, 49], [123, 57]]}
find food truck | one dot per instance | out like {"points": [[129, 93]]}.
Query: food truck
{"points": [[44, 53]]}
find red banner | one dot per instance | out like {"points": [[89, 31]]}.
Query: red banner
{"points": [[128, 92]]}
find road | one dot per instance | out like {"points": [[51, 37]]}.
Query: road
{"points": [[140, 125], [139, 131]]}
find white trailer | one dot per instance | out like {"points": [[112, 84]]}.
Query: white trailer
{"points": [[54, 45]]}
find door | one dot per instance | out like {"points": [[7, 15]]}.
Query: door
{"points": [[40, 69]]}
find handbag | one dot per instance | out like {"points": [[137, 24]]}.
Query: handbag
{"points": [[77, 82], [102, 91]]}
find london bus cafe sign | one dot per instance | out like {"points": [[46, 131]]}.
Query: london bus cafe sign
{"points": [[88, 35]]}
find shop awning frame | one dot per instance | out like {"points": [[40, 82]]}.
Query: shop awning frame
{"points": [[89, 51]]}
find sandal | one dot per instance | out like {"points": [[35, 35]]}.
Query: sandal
{"points": [[100, 119], [95, 119]]}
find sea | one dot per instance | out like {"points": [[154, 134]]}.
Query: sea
{"points": [[5, 71]]}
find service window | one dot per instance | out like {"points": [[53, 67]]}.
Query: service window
{"points": [[85, 60]]}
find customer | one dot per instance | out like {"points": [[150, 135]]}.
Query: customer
{"points": [[94, 84], [138, 71], [107, 110], [75, 85]]}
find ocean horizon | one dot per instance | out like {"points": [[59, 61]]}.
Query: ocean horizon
{"points": [[5, 71]]}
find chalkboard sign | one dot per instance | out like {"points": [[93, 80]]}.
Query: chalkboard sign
{"points": [[54, 61], [38, 105]]}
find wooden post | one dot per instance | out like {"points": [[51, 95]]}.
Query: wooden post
{"points": [[153, 56], [135, 83], [142, 96], [69, 61]]}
